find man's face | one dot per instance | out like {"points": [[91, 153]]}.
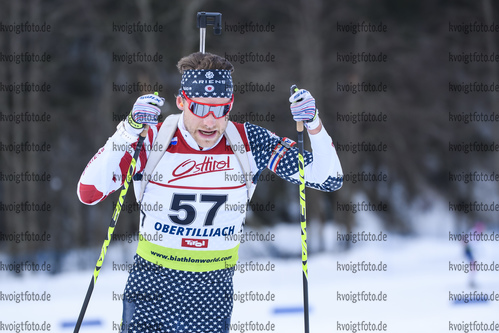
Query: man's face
{"points": [[206, 131]]}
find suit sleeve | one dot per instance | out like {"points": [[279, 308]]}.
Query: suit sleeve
{"points": [[107, 170], [279, 154]]}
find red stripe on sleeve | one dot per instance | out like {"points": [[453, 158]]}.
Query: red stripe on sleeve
{"points": [[242, 132], [89, 194], [124, 165]]}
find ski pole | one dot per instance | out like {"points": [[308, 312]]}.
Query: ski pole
{"points": [[112, 225], [204, 19], [303, 215]]}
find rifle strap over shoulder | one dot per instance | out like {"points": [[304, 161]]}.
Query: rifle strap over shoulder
{"points": [[164, 137], [238, 147]]}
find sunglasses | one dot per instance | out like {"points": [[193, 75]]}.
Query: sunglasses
{"points": [[202, 110]]}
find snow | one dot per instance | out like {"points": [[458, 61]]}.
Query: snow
{"points": [[417, 284]]}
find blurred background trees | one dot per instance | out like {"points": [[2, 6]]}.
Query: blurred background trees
{"points": [[85, 109]]}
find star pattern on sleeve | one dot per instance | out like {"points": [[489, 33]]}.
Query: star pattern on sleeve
{"points": [[262, 142]]}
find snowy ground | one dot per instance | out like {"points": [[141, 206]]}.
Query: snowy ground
{"points": [[417, 285]]}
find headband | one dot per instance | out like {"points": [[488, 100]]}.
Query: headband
{"points": [[207, 83]]}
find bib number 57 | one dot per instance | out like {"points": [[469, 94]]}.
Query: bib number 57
{"points": [[184, 205]]}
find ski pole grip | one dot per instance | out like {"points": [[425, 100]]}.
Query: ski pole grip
{"points": [[203, 20], [210, 18], [299, 124]]}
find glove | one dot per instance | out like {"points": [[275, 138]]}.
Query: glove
{"points": [[303, 109], [145, 111]]}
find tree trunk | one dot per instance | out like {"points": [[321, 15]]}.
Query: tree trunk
{"points": [[18, 134]]}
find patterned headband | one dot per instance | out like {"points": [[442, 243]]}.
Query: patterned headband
{"points": [[207, 83]]}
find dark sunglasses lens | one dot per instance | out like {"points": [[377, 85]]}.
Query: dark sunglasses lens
{"points": [[201, 110]]}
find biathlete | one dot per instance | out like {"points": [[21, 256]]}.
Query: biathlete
{"points": [[181, 280]]}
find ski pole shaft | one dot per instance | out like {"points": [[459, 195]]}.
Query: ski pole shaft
{"points": [[110, 230], [202, 39], [204, 19], [112, 225], [303, 216]]}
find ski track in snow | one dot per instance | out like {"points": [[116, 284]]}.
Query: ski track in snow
{"points": [[417, 283]]}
